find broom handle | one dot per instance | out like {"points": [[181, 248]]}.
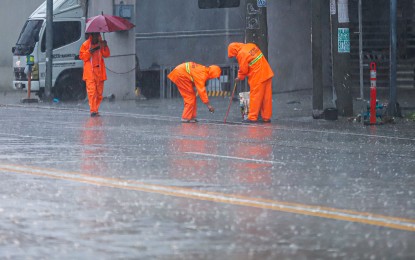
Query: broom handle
{"points": [[230, 102]]}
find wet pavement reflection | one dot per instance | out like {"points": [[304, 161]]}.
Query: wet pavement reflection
{"points": [[257, 147], [93, 146], [140, 185], [190, 138]]}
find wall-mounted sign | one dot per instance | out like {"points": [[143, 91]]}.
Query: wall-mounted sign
{"points": [[332, 7], [261, 3], [343, 9], [343, 40]]}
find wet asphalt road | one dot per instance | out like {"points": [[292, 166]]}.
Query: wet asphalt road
{"points": [[135, 183]]}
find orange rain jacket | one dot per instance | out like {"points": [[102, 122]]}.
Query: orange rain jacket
{"points": [[257, 71], [252, 64], [187, 75], [93, 62]]}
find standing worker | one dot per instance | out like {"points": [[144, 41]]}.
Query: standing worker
{"points": [[187, 75], [92, 52], [252, 64]]}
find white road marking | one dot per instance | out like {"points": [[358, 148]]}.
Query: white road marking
{"points": [[235, 158]]}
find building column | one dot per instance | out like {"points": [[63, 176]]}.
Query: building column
{"points": [[340, 33], [256, 24], [316, 54]]}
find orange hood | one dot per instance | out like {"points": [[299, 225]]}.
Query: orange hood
{"points": [[234, 48], [214, 72]]}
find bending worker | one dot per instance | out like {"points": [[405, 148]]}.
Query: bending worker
{"points": [[252, 64], [187, 75], [92, 52]]}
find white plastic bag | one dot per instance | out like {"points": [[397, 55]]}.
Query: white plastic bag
{"points": [[244, 104]]}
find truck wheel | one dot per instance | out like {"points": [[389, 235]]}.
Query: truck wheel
{"points": [[70, 86]]}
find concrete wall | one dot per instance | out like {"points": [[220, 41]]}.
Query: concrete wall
{"points": [[289, 44], [168, 35], [289, 24], [12, 20], [289, 30], [121, 64]]}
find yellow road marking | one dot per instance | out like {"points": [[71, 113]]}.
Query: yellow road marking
{"points": [[303, 209]]}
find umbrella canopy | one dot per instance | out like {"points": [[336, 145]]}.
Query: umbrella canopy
{"points": [[107, 23]]}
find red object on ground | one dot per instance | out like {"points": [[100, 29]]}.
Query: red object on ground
{"points": [[372, 93], [107, 23]]}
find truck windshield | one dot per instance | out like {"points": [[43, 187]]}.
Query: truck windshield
{"points": [[28, 37]]}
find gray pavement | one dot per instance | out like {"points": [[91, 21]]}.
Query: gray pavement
{"points": [[136, 183]]}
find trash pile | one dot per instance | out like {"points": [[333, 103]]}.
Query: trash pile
{"points": [[244, 104], [382, 116], [380, 113]]}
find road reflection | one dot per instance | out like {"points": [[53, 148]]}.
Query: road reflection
{"points": [[199, 154], [93, 146], [190, 149], [192, 138], [255, 146]]}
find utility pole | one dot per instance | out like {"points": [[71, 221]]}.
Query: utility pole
{"points": [[316, 55], [361, 83], [49, 47], [85, 5], [340, 36], [392, 111], [256, 24]]}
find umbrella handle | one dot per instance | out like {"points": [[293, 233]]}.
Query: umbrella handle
{"points": [[103, 34]]}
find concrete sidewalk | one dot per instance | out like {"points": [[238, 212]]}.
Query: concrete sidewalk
{"points": [[287, 106], [290, 106]]}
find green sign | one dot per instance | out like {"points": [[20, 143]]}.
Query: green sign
{"points": [[343, 40]]}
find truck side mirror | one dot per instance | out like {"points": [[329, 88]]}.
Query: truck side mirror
{"points": [[13, 49]]}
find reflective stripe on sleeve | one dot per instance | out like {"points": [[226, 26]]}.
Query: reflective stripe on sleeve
{"points": [[256, 59], [188, 70]]}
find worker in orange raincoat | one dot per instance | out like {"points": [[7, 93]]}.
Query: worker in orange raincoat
{"points": [[252, 64], [187, 75], [92, 52]]}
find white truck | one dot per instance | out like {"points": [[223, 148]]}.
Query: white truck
{"points": [[68, 36]]}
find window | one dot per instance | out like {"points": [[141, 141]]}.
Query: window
{"points": [[207, 4], [64, 33], [30, 33], [28, 38]]}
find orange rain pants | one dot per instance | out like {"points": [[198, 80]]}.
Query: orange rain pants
{"points": [[94, 72], [252, 64], [187, 75], [94, 89]]}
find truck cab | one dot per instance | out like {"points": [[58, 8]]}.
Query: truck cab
{"points": [[68, 36]]}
